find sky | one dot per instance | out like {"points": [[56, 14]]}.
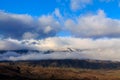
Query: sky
{"points": [[58, 13], [61, 24]]}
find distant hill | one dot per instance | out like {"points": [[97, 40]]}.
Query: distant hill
{"points": [[72, 63]]}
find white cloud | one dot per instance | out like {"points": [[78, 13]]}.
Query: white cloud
{"points": [[59, 43], [18, 25], [79, 4], [95, 26], [49, 24], [92, 25], [93, 54], [29, 35], [11, 44], [101, 49], [57, 13]]}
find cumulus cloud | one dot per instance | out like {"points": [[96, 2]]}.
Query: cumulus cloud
{"points": [[19, 25], [23, 26], [101, 49], [50, 26], [79, 4], [29, 35], [94, 26]]}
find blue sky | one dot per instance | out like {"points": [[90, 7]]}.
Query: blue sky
{"points": [[61, 11], [34, 8], [40, 7]]}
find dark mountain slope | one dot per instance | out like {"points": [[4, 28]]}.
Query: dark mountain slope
{"points": [[32, 70], [72, 63]]}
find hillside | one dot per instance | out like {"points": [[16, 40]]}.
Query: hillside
{"points": [[71, 63], [27, 71]]}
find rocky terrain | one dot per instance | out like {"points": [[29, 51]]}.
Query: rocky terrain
{"points": [[59, 69]]}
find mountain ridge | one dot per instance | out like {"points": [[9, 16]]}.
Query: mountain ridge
{"points": [[74, 63]]}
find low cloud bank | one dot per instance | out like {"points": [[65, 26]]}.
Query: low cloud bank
{"points": [[101, 49], [103, 54]]}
